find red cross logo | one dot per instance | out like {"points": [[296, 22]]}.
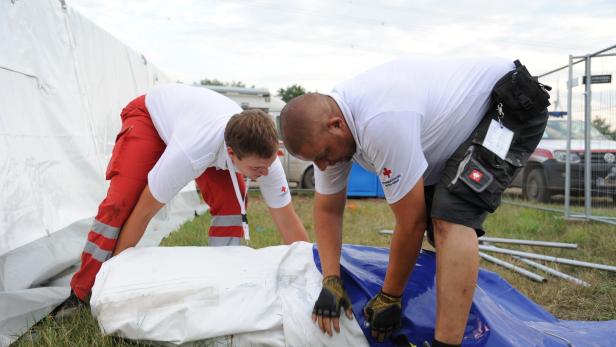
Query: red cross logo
{"points": [[284, 189], [476, 175], [387, 172]]}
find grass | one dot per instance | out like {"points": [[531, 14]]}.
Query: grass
{"points": [[79, 330], [365, 217]]}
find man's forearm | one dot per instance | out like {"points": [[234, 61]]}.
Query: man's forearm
{"points": [[289, 225], [130, 234], [405, 247], [329, 242], [328, 212], [296, 231], [411, 222], [137, 222]]}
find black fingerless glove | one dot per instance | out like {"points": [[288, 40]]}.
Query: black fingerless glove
{"points": [[332, 298], [383, 314]]}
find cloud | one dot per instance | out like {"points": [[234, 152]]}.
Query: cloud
{"points": [[318, 43]]}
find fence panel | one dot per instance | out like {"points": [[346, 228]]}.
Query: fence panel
{"points": [[573, 169]]}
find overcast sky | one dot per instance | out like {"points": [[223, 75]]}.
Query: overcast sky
{"points": [[318, 43]]}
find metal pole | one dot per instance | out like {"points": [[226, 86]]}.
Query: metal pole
{"points": [[548, 258], [553, 272], [599, 55], [587, 152], [568, 160], [601, 51], [533, 276], [581, 59], [521, 204], [528, 242], [608, 220]]}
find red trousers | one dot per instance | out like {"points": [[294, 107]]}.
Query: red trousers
{"points": [[137, 148]]}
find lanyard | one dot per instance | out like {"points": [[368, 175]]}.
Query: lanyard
{"points": [[238, 195]]}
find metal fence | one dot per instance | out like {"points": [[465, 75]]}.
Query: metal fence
{"points": [[573, 169]]}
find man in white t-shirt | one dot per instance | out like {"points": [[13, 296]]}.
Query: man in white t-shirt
{"points": [[420, 124], [170, 136]]}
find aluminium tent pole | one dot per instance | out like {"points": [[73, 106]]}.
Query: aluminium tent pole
{"points": [[528, 242], [533, 276], [548, 258], [552, 271]]}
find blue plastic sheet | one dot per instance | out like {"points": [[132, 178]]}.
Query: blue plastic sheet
{"points": [[500, 315]]}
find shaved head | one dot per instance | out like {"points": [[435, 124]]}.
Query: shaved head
{"points": [[304, 119], [313, 128]]}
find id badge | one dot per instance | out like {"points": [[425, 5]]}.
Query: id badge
{"points": [[246, 229], [498, 139]]}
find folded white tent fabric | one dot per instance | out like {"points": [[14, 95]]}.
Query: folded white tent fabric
{"points": [[236, 296], [64, 82]]}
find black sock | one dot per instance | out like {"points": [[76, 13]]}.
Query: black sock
{"points": [[437, 343]]}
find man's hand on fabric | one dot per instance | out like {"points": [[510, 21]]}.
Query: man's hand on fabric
{"points": [[327, 308], [383, 314]]}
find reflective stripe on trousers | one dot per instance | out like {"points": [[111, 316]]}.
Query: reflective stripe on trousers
{"points": [[137, 148], [217, 241], [217, 190], [227, 221], [101, 231], [225, 225]]}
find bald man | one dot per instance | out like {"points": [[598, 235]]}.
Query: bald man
{"points": [[446, 137]]}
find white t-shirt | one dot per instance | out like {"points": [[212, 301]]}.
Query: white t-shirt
{"points": [[408, 116], [191, 121]]}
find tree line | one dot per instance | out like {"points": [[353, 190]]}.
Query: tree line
{"points": [[285, 94]]}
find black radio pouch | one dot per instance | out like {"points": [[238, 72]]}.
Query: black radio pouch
{"points": [[521, 95], [482, 176], [520, 103]]}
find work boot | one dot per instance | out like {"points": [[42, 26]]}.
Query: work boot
{"points": [[68, 307]]}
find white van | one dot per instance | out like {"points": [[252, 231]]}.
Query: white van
{"points": [[300, 173]]}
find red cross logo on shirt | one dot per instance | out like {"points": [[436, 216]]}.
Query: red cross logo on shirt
{"points": [[476, 175], [284, 189], [387, 172]]}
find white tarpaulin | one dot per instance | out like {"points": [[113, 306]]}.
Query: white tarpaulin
{"points": [[63, 83], [235, 296]]}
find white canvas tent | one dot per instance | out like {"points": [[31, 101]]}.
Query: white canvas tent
{"points": [[63, 82]]}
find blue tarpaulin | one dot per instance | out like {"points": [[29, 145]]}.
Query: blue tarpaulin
{"points": [[500, 315]]}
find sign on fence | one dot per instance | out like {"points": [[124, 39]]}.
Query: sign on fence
{"points": [[598, 79]]}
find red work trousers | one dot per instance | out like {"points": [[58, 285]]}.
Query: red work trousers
{"points": [[137, 148]]}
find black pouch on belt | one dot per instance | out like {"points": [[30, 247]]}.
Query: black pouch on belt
{"points": [[519, 102], [521, 95], [483, 176]]}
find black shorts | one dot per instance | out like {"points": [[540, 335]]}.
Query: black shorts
{"points": [[474, 178]]}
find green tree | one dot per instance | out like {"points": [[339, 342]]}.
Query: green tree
{"points": [[605, 128], [290, 92], [215, 82], [209, 82]]}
